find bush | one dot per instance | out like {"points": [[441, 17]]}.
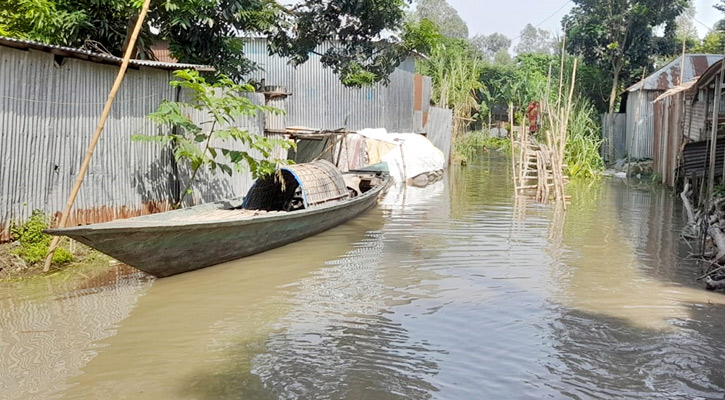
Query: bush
{"points": [[34, 243], [467, 143], [583, 142]]}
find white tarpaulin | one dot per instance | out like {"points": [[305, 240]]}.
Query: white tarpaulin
{"points": [[412, 155]]}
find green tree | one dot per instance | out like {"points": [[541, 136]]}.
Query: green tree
{"points": [[490, 45], [534, 40], [454, 68], [445, 17], [617, 36], [40, 20], [208, 31], [222, 101], [686, 31]]}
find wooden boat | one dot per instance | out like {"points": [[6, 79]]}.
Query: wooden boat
{"points": [[310, 199]]}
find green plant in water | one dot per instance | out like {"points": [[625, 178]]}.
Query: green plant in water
{"points": [[222, 102], [34, 243], [468, 143], [718, 191], [583, 142]]}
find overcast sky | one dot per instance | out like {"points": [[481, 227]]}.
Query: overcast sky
{"points": [[510, 16]]}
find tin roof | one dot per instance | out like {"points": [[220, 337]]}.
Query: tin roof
{"points": [[95, 57], [708, 77], [677, 89], [668, 76]]}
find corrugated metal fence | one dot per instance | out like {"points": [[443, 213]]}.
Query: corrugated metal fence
{"points": [[614, 125], [640, 123], [48, 113], [440, 126], [319, 100]]}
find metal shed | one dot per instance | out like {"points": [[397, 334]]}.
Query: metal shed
{"points": [[640, 131]]}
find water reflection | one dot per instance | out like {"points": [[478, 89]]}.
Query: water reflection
{"points": [[198, 332], [611, 238], [454, 291], [48, 333]]}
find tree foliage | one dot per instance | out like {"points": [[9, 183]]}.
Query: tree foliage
{"points": [[445, 17], [534, 40], [618, 36], [208, 31], [454, 67], [362, 54], [685, 30], [491, 45]]}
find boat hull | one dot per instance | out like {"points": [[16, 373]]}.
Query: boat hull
{"points": [[168, 249]]}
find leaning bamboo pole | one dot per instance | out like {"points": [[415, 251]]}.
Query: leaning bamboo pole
{"points": [[99, 129], [513, 145]]}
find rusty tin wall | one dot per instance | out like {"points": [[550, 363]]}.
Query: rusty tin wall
{"points": [[668, 136], [48, 113]]}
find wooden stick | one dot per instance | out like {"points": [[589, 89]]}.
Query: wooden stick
{"points": [[97, 134], [568, 113], [513, 156]]}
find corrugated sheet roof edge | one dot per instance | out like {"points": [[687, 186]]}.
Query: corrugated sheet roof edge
{"points": [[712, 58], [94, 57]]}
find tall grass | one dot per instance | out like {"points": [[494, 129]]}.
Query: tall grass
{"points": [[581, 154], [468, 143]]}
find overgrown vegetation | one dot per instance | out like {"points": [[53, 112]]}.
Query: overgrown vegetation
{"points": [[470, 143], [221, 102], [583, 142], [454, 70], [34, 243]]}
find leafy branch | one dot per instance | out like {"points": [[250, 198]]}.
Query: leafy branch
{"points": [[222, 103]]}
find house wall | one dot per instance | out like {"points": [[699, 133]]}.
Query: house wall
{"points": [[668, 137], [695, 119], [616, 124], [640, 123]]}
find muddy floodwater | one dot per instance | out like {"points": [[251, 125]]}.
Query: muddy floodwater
{"points": [[455, 291]]}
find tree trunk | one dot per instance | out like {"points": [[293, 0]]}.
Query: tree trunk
{"points": [[615, 84]]}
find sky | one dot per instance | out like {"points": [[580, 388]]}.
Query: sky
{"points": [[510, 16]]}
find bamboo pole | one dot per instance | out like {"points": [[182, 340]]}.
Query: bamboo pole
{"points": [[713, 135], [568, 112], [97, 134], [513, 143]]}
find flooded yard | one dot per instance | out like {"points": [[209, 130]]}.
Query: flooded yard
{"points": [[454, 291]]}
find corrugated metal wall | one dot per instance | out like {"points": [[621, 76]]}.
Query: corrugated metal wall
{"points": [[48, 113], [695, 119], [618, 124], [640, 131], [440, 128], [320, 101], [668, 126]]}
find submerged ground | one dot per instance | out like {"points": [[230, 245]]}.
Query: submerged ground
{"points": [[455, 291]]}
